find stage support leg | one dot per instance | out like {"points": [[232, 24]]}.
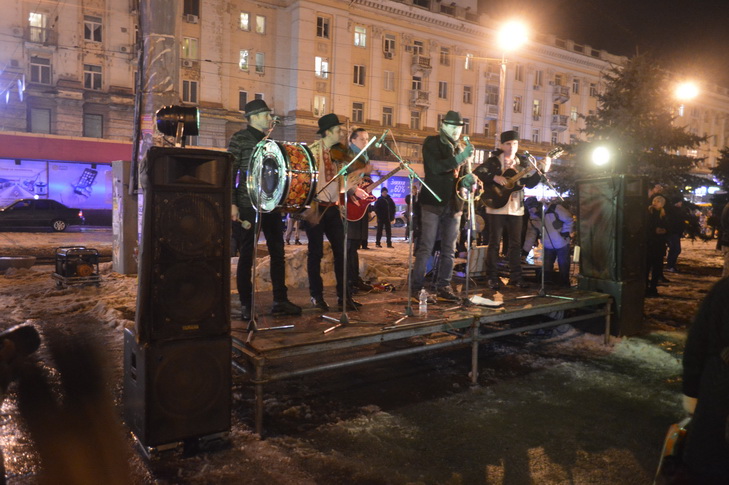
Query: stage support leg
{"points": [[259, 398], [474, 353], [608, 316]]}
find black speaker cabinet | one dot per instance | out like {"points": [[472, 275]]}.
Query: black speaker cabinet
{"points": [[184, 260], [177, 390], [611, 223], [628, 298]]}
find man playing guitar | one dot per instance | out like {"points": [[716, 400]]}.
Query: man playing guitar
{"points": [[506, 212]]}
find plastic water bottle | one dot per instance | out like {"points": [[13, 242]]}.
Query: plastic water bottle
{"points": [[423, 302]]}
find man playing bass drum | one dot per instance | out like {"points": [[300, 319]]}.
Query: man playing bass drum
{"points": [[504, 200]]}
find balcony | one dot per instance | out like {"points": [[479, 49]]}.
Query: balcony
{"points": [[561, 94], [41, 36], [492, 111], [421, 63], [559, 122], [419, 99]]}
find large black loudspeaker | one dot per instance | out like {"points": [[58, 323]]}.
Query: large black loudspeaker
{"points": [[611, 219], [177, 390], [184, 273], [177, 362]]}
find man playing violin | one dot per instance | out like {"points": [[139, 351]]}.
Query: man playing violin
{"points": [[443, 156], [508, 217], [242, 143]]}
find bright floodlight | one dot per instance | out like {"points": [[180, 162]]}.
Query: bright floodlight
{"points": [[512, 35], [687, 91], [600, 156]]}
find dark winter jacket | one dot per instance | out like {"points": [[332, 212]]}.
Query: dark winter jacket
{"points": [[241, 145], [385, 208], [441, 171]]}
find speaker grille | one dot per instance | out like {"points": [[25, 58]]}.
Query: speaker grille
{"points": [[189, 225], [188, 292]]}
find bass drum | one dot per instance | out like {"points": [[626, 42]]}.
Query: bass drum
{"points": [[282, 176]]}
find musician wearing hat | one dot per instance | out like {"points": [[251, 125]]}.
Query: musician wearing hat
{"points": [[242, 144], [505, 210], [443, 157], [326, 219]]}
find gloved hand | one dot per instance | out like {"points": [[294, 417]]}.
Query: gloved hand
{"points": [[467, 152], [468, 180], [689, 403]]}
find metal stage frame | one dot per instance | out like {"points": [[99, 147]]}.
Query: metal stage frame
{"points": [[307, 349]]}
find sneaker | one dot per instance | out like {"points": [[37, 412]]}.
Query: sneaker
{"points": [[446, 293], [519, 283], [494, 283], [285, 308], [320, 303]]}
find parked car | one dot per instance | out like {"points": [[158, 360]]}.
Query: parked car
{"points": [[33, 213]]}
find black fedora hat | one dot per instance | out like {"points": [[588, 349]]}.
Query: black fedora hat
{"points": [[254, 107], [509, 136], [328, 121], [453, 118]]}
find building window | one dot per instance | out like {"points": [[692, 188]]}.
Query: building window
{"points": [[554, 138], [245, 21], [518, 72], [487, 130], [92, 76], [415, 120], [516, 129], [467, 95], [357, 112], [492, 95], [40, 120], [389, 81], [536, 110], [191, 7], [439, 120], [359, 75], [388, 44], [189, 91], [38, 31], [320, 104], [260, 24], [575, 86], [538, 78], [417, 83], [360, 36], [445, 56], [418, 47], [468, 63], [466, 126], [321, 67], [322, 27], [92, 28], [260, 62], [258, 96], [40, 70], [243, 59], [93, 126], [189, 48], [593, 90], [387, 116], [242, 100], [557, 79], [555, 108], [442, 90], [517, 104], [535, 136], [573, 114]]}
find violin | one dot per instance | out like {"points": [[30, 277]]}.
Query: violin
{"points": [[343, 155]]}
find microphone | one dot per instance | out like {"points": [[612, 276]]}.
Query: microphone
{"points": [[276, 120], [379, 142]]}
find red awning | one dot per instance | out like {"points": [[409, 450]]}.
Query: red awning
{"points": [[33, 146]]}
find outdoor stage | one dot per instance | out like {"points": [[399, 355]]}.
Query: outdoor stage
{"points": [[313, 345]]}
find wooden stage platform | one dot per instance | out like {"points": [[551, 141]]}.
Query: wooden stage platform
{"points": [[313, 345]]}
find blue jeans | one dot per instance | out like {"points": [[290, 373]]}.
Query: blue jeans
{"points": [[442, 223], [562, 255]]}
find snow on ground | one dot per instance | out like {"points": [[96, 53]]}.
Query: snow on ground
{"points": [[548, 409]]}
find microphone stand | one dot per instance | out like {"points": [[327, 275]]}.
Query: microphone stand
{"points": [[470, 222], [542, 291], [343, 318], [412, 175]]}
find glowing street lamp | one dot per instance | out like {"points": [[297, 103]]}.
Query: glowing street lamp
{"points": [[601, 156], [512, 35], [685, 91]]}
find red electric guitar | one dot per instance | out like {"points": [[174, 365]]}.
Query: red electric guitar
{"points": [[357, 208]]}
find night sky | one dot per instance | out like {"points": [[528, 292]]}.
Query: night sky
{"points": [[687, 36]]}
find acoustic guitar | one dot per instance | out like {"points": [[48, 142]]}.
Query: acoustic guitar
{"points": [[496, 196]]}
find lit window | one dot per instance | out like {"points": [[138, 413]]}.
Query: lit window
{"points": [[322, 27], [260, 62], [243, 60], [357, 112], [320, 103], [536, 109], [92, 76], [573, 114], [321, 67], [359, 75], [468, 64], [260, 24], [389, 81], [189, 91], [387, 116], [360, 37], [92, 28], [37, 23], [245, 21], [189, 48]]}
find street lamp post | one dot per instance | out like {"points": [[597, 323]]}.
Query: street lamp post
{"points": [[511, 36]]}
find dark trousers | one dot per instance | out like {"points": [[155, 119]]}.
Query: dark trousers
{"points": [[654, 269], [330, 226], [674, 249], [353, 261], [497, 224], [388, 231], [273, 228]]}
